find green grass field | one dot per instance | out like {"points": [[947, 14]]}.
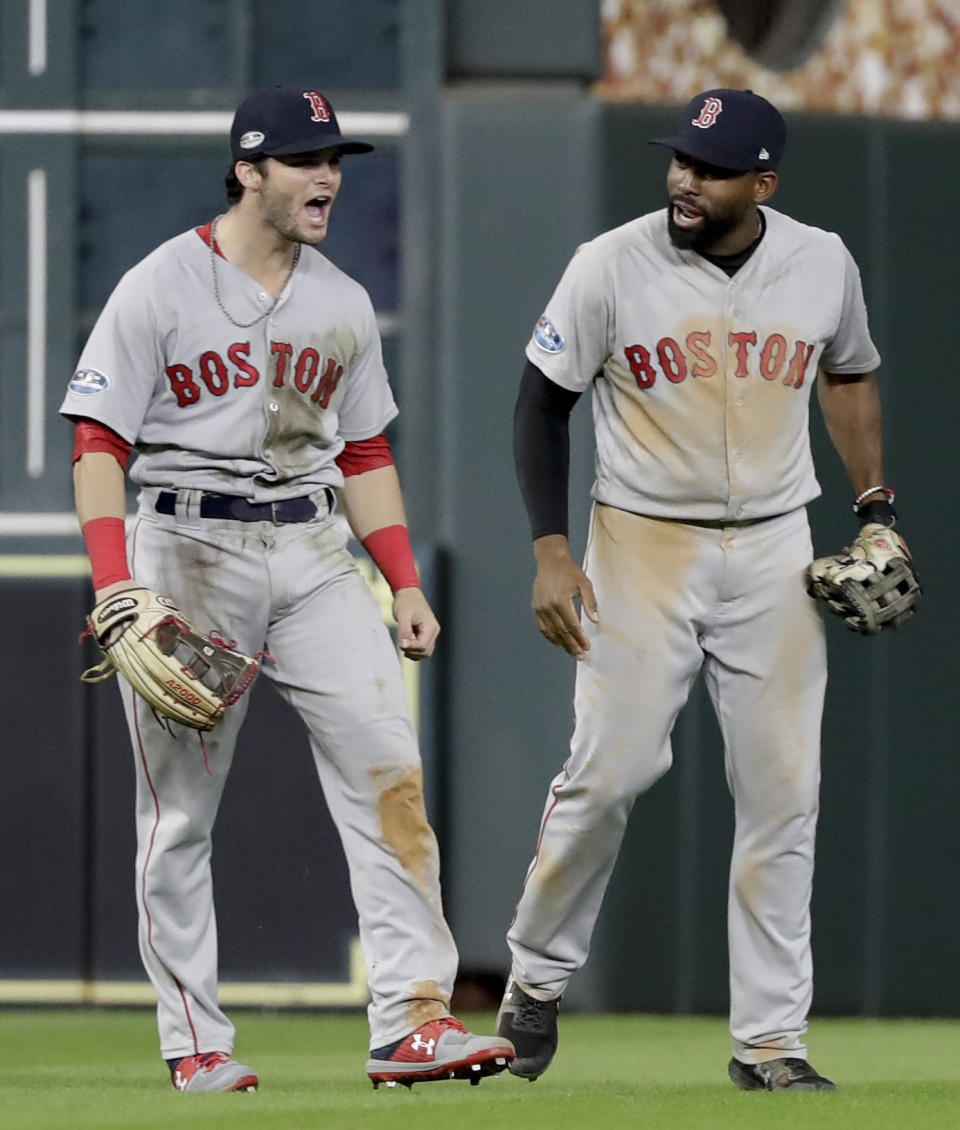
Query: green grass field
{"points": [[73, 1070]]}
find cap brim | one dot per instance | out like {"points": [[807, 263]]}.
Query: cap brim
{"points": [[309, 145], [702, 150]]}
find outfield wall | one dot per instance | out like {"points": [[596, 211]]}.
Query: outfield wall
{"points": [[484, 185]]}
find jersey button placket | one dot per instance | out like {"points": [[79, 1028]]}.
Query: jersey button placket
{"points": [[271, 406]]}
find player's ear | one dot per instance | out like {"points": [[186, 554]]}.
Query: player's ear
{"points": [[764, 187], [247, 174]]}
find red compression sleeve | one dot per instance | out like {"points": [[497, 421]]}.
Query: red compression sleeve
{"points": [[105, 540], [90, 435], [361, 455], [390, 549]]}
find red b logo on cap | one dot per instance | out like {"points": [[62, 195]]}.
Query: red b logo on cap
{"points": [[709, 113], [321, 111]]}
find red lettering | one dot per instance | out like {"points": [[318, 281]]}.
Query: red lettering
{"points": [[321, 111], [282, 351], [328, 383], [740, 340], [672, 360], [214, 373], [798, 364], [307, 364], [772, 357], [184, 387], [706, 364], [639, 360], [237, 354], [187, 695]]}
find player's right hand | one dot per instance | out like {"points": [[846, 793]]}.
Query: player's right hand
{"points": [[559, 584], [417, 627]]}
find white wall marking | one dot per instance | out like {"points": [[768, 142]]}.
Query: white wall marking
{"points": [[197, 123], [37, 36], [36, 320]]}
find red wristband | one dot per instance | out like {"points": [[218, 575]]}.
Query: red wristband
{"points": [[390, 549], [105, 539]]}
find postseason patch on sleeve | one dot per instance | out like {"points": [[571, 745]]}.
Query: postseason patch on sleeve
{"points": [[88, 382], [547, 337]]}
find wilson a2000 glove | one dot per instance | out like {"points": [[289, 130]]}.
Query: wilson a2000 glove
{"points": [[183, 674]]}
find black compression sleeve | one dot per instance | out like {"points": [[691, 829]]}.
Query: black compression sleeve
{"points": [[541, 450]]}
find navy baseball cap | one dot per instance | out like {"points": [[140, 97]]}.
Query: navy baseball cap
{"points": [[732, 129], [285, 120]]}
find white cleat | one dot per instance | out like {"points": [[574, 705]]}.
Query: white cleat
{"points": [[213, 1071]]}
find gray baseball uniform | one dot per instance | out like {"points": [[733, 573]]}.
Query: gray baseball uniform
{"points": [[262, 412], [697, 549]]}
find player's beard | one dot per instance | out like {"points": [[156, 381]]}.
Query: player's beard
{"points": [[705, 236], [279, 217], [278, 211]]}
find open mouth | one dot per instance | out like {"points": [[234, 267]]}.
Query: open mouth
{"points": [[318, 207], [686, 216]]}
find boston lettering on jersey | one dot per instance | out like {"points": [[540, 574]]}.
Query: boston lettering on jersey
{"points": [[778, 359], [310, 374]]}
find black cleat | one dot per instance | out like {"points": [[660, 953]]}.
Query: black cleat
{"points": [[778, 1075], [531, 1026]]}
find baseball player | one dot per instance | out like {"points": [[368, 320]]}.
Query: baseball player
{"points": [[245, 371], [701, 329]]}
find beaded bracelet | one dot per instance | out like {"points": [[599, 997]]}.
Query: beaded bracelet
{"points": [[891, 495]]}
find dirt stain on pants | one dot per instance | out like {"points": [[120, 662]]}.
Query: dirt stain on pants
{"points": [[430, 1003], [403, 822], [407, 832]]}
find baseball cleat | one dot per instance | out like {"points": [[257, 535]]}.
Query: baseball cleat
{"points": [[531, 1026], [440, 1049], [778, 1075], [212, 1071]]}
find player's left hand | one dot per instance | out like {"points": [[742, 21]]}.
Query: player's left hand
{"points": [[417, 627]]}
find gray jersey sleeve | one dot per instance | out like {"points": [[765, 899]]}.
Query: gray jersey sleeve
{"points": [[118, 370], [851, 349], [368, 405], [571, 341]]}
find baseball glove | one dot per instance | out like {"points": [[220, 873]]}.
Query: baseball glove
{"points": [[183, 674], [871, 584]]}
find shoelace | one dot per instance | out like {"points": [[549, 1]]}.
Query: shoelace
{"points": [[532, 1013], [209, 1060]]}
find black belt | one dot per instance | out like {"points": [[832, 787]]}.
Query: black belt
{"points": [[240, 510]]}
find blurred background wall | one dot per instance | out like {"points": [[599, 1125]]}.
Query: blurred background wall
{"points": [[506, 134]]}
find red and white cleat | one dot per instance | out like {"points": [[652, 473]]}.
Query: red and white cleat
{"points": [[213, 1071], [439, 1049]]}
